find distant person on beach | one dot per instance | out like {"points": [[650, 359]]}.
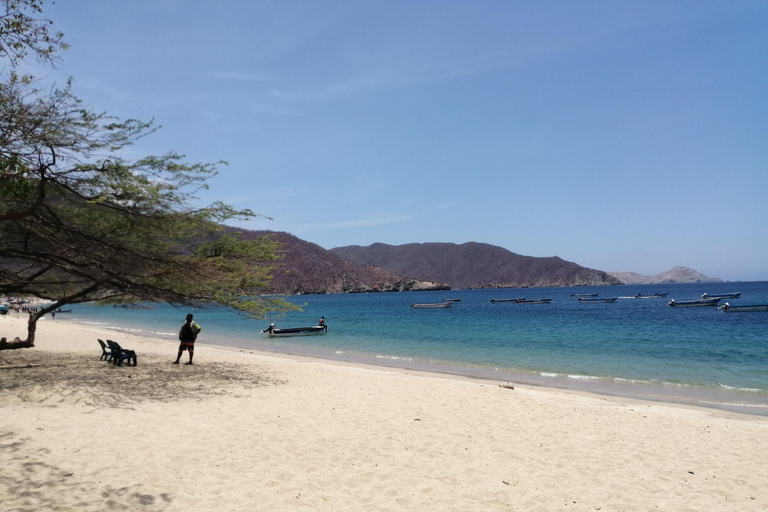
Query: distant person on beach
{"points": [[187, 335]]}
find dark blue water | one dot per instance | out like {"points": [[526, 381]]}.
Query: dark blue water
{"points": [[632, 347]]}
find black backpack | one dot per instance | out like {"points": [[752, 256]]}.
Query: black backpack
{"points": [[186, 332]]}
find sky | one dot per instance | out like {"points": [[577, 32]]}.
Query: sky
{"points": [[620, 135]]}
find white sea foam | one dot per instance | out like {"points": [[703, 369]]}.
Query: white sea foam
{"points": [[548, 374], [394, 358], [583, 377], [737, 388]]}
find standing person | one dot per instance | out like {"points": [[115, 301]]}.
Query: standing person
{"points": [[187, 335]]}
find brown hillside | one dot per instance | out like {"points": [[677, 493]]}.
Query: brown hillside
{"points": [[474, 265], [308, 268]]}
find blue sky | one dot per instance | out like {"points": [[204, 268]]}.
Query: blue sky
{"points": [[623, 136]]}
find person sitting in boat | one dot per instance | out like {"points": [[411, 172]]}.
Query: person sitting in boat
{"points": [[321, 323]]}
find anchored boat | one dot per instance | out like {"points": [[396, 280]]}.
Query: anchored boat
{"points": [[597, 299], [746, 308], [690, 303], [533, 301], [430, 306], [735, 295], [274, 332]]}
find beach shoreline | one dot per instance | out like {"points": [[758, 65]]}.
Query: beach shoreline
{"points": [[242, 429], [737, 400]]}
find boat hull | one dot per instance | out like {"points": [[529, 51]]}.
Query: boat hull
{"points": [[296, 331], [499, 301], [437, 305], [590, 299], [746, 308], [693, 303], [722, 296], [533, 301]]}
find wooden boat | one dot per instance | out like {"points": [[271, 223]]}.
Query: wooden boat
{"points": [[745, 308], [651, 296], [533, 301], [3, 309], [691, 303], [597, 299], [722, 296], [274, 332], [495, 301], [584, 294], [451, 300], [431, 306]]}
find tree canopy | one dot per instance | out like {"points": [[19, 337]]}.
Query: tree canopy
{"points": [[78, 222]]}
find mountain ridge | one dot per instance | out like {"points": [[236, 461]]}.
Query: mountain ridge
{"points": [[307, 268], [474, 265]]}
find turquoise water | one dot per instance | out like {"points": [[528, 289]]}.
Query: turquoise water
{"points": [[632, 347]]}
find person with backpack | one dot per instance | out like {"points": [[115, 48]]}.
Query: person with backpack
{"points": [[187, 335]]}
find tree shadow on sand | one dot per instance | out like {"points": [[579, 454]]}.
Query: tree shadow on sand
{"points": [[52, 378], [31, 482]]}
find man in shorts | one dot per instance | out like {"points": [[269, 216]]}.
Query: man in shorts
{"points": [[187, 335]]}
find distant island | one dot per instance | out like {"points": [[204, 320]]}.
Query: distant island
{"points": [[672, 276]]}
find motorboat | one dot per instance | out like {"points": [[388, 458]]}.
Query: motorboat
{"points": [[690, 303], [597, 299], [432, 306], [496, 301], [651, 296], [274, 332], [745, 308], [451, 300], [533, 301], [735, 295], [584, 294]]}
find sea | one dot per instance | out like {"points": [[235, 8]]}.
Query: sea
{"points": [[634, 347]]}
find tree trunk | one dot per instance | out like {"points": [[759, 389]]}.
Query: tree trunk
{"points": [[27, 343]]}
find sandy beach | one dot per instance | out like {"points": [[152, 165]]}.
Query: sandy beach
{"points": [[241, 430]]}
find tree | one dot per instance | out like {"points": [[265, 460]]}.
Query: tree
{"points": [[78, 223]]}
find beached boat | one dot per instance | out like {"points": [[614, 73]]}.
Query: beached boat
{"points": [[735, 295], [597, 299], [533, 301], [3, 309], [495, 301], [432, 306], [693, 303], [274, 332], [584, 294], [651, 296], [745, 308]]}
